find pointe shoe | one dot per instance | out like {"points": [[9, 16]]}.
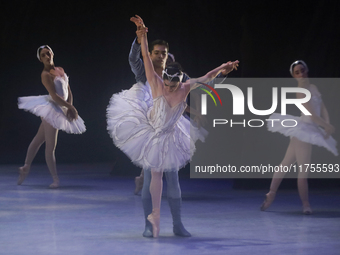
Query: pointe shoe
{"points": [[139, 184], [154, 219], [55, 183], [307, 210], [270, 196], [22, 174]]}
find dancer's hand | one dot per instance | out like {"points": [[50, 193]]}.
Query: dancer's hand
{"points": [[72, 113], [330, 129], [138, 21], [140, 26], [141, 32], [229, 66]]}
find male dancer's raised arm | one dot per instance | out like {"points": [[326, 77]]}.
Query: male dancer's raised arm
{"points": [[136, 63]]}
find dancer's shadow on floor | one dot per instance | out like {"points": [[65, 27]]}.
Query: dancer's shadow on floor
{"points": [[326, 214], [61, 188], [213, 244], [316, 214], [206, 198]]}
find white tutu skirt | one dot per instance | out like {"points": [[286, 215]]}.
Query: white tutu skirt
{"points": [[55, 115], [306, 131], [129, 127]]}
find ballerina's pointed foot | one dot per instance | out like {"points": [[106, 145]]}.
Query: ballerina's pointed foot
{"points": [[270, 196], [307, 210], [55, 183], [139, 184], [23, 172], [154, 219]]}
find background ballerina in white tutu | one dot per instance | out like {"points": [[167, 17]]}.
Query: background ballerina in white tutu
{"points": [[315, 129], [56, 112], [153, 136]]}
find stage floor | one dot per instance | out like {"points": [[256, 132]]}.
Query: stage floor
{"points": [[95, 213]]}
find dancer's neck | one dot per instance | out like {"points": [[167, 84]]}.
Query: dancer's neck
{"points": [[48, 68], [304, 83]]}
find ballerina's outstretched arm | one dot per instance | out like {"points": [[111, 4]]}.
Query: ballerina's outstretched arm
{"points": [[195, 83], [156, 83]]}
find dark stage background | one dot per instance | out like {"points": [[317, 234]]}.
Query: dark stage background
{"points": [[91, 41]]}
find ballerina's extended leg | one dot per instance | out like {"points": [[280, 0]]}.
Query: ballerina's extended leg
{"points": [[278, 176], [32, 150]]}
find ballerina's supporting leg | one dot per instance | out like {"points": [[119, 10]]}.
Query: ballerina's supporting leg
{"points": [[303, 155], [32, 150], [156, 187], [51, 135], [288, 160], [175, 203]]}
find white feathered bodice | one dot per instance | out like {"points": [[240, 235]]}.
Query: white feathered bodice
{"points": [[61, 86], [162, 117]]}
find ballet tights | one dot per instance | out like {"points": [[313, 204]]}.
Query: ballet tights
{"points": [[48, 134]]}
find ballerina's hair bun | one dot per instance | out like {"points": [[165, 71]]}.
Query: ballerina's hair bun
{"points": [[42, 47], [297, 62], [171, 58], [173, 72]]}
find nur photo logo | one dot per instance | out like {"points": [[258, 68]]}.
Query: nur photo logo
{"points": [[238, 104]]}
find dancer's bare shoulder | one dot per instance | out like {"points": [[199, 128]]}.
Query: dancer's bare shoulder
{"points": [[45, 75], [57, 71]]}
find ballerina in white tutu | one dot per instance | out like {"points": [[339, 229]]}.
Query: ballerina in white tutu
{"points": [[310, 130], [152, 135], [56, 112]]}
